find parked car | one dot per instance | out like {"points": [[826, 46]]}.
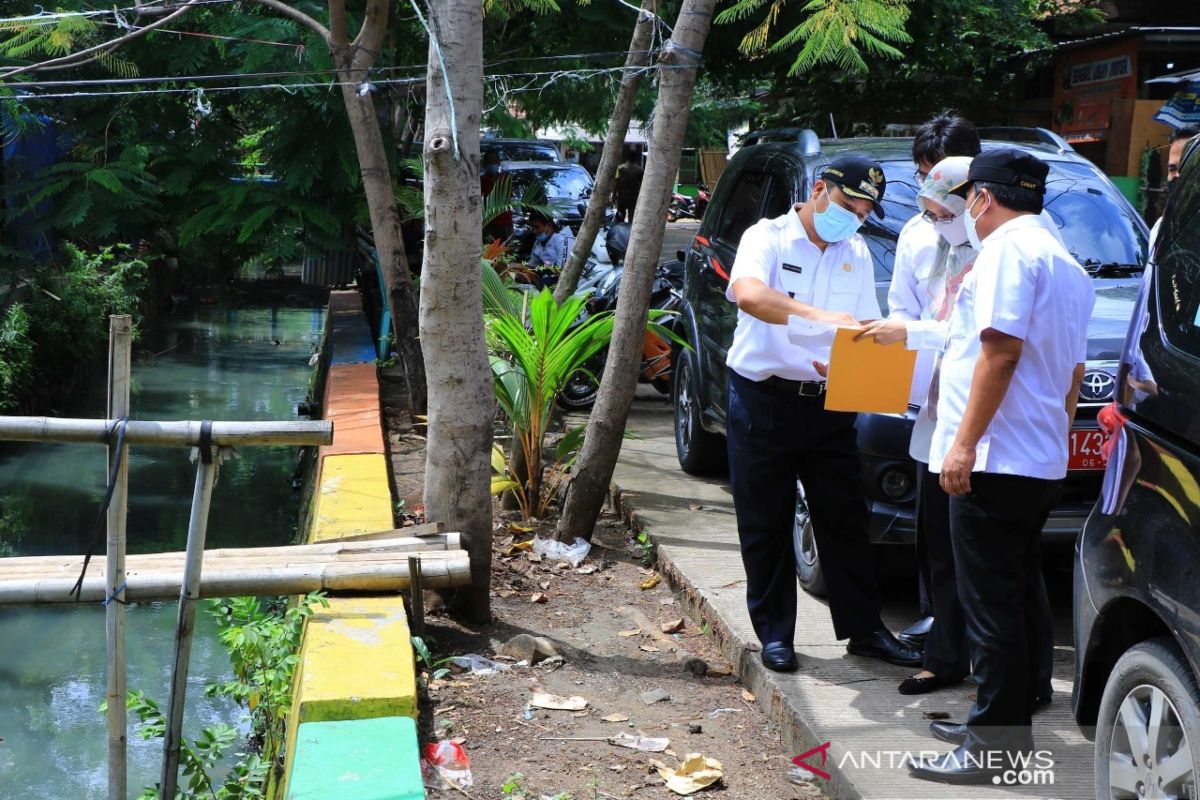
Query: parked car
{"points": [[1137, 593], [775, 168], [567, 187], [519, 149]]}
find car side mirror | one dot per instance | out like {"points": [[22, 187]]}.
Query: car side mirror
{"points": [[680, 255]]}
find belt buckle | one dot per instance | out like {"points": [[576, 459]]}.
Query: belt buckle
{"points": [[812, 388]]}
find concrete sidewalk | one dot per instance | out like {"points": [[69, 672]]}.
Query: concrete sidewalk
{"points": [[847, 701]]}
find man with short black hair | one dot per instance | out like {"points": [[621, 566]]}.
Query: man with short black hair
{"points": [[1008, 388], [947, 134]]}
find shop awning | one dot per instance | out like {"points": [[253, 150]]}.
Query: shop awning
{"points": [[1184, 106], [1191, 76]]}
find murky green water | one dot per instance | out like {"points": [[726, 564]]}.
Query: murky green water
{"points": [[243, 364]]}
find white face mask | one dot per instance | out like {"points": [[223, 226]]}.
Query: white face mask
{"points": [[955, 231], [971, 222]]}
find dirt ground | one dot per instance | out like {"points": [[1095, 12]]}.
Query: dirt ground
{"points": [[627, 650]]}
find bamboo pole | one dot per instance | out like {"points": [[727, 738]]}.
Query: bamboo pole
{"points": [[189, 594], [37, 565], [442, 570], [120, 341], [185, 433]]}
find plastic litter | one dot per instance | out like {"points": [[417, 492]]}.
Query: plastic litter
{"points": [[477, 664], [716, 712], [446, 762], [647, 744], [573, 553], [555, 703]]}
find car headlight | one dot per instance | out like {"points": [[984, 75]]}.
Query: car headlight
{"points": [[895, 483]]}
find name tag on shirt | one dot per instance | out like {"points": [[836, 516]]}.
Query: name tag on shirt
{"points": [[793, 268]]}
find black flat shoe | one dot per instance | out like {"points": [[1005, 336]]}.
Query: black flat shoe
{"points": [[915, 685], [882, 645], [958, 766], [780, 657], [954, 733], [915, 635]]}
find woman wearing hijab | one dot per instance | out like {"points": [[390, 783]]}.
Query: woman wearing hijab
{"points": [[925, 282]]}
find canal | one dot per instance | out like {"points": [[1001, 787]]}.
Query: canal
{"points": [[244, 363]]}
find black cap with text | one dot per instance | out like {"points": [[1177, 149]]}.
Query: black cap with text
{"points": [[858, 177], [1006, 166]]}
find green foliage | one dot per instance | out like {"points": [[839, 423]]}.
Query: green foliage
{"points": [[263, 641], [16, 355], [536, 351], [833, 32], [645, 547]]}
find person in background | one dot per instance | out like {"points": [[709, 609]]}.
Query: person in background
{"points": [[918, 249], [627, 185], [1008, 388], [1177, 144], [809, 263], [551, 246], [921, 297]]}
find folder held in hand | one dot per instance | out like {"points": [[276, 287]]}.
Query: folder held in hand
{"points": [[868, 377]]}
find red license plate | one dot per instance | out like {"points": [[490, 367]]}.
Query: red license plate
{"points": [[1086, 450]]}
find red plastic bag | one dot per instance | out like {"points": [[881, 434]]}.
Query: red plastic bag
{"points": [[446, 761]]}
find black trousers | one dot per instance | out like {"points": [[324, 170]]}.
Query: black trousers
{"points": [[625, 207], [996, 534], [773, 440], [946, 644]]}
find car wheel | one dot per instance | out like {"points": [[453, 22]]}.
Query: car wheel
{"points": [[700, 452], [1148, 731], [808, 561]]}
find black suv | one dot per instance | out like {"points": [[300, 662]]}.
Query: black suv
{"points": [[775, 168], [1137, 566]]}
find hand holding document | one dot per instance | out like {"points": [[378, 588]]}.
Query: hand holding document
{"points": [[868, 377]]}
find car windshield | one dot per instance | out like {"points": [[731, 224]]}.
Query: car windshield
{"points": [[1096, 224], [568, 184], [521, 151]]}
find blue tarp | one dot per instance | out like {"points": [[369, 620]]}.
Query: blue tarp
{"points": [[1183, 108], [31, 148]]}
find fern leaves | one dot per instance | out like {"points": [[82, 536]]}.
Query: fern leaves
{"points": [[838, 32]]}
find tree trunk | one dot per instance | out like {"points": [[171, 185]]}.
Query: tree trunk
{"points": [[614, 143], [385, 219], [461, 399], [606, 425]]}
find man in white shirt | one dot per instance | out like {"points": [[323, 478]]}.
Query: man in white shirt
{"points": [[809, 263], [1009, 383]]}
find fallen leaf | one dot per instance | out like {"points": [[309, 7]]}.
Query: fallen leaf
{"points": [[536, 558], [516, 527], [649, 648], [652, 581], [539, 597], [517, 547], [544, 584], [555, 703], [506, 593], [667, 601], [587, 570], [616, 718], [719, 671], [747, 695], [647, 744], [617, 767], [634, 632], [695, 773], [674, 626]]}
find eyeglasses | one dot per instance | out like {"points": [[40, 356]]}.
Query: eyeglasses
{"points": [[919, 177], [933, 219]]}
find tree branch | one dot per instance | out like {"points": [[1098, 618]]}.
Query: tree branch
{"points": [[106, 47], [370, 36], [295, 15], [338, 34]]}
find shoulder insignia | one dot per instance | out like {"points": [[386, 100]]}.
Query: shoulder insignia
{"points": [[846, 267]]}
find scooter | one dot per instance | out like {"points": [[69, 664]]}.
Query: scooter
{"points": [[684, 207]]}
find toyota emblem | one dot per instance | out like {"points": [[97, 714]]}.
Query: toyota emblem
{"points": [[1098, 386]]}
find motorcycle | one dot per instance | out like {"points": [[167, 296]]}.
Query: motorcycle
{"points": [[665, 295], [684, 207]]}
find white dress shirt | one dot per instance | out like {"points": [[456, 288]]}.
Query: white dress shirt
{"points": [[1024, 284], [778, 253]]}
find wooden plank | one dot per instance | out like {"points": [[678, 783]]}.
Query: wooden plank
{"points": [[452, 568], [427, 529]]}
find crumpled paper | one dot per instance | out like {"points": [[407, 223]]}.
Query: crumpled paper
{"points": [[695, 773]]}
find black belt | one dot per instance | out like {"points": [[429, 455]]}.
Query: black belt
{"points": [[788, 388]]}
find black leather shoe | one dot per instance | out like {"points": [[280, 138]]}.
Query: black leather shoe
{"points": [[915, 685], [954, 733], [915, 635], [957, 766], [1042, 702], [882, 645], [780, 657]]}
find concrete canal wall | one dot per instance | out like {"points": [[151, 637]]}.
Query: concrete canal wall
{"points": [[352, 727]]}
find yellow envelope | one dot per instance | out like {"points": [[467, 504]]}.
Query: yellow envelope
{"points": [[868, 377]]}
